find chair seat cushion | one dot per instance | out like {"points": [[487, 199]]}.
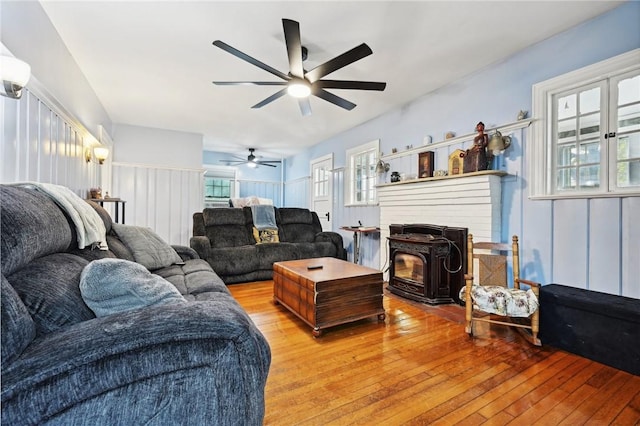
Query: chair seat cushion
{"points": [[503, 301]]}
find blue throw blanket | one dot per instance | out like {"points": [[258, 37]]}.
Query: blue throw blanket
{"points": [[264, 217]]}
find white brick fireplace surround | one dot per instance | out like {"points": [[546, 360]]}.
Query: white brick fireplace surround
{"points": [[472, 200]]}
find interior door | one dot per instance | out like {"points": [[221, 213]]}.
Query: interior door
{"points": [[322, 190]]}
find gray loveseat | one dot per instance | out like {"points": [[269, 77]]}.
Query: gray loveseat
{"points": [[201, 361], [224, 237]]}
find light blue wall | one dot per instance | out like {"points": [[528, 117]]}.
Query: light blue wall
{"points": [[583, 243]]}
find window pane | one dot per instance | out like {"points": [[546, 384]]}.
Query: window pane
{"points": [[629, 173], [589, 125], [629, 118], [590, 101], [566, 179], [566, 155], [590, 153], [628, 168], [567, 107], [590, 177], [629, 90], [567, 131]]}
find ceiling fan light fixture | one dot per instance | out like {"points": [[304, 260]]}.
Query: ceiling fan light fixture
{"points": [[252, 164], [299, 89]]}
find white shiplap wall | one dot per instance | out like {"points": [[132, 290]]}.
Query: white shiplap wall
{"points": [[472, 201], [161, 198], [40, 144]]}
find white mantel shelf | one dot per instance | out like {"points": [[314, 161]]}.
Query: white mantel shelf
{"points": [[436, 178], [470, 200]]}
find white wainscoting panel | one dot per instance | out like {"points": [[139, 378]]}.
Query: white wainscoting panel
{"points": [[472, 201], [163, 199], [40, 144]]}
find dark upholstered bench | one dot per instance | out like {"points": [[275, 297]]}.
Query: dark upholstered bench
{"points": [[599, 326]]}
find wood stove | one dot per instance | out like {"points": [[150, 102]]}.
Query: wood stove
{"points": [[427, 262]]}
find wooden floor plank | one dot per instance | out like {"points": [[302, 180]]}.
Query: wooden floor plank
{"points": [[419, 367]]}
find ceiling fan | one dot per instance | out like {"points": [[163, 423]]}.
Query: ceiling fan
{"points": [[301, 83], [252, 161]]}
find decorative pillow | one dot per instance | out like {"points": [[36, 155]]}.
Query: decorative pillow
{"points": [[147, 247], [265, 236], [109, 286]]}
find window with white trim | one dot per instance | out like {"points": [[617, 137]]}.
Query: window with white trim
{"points": [[219, 186], [586, 139], [361, 177]]}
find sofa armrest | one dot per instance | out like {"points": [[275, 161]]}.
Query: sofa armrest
{"points": [[336, 239], [151, 359], [201, 245], [186, 253]]}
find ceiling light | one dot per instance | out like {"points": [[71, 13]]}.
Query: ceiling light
{"points": [[14, 75], [252, 164], [299, 88]]}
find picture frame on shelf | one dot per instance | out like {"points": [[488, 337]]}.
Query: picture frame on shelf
{"points": [[425, 164]]}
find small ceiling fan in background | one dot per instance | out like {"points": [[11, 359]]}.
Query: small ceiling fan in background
{"points": [[252, 161], [301, 83]]}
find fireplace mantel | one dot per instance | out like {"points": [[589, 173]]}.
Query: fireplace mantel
{"points": [[471, 200], [437, 178]]}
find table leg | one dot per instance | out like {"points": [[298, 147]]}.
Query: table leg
{"points": [[356, 248]]}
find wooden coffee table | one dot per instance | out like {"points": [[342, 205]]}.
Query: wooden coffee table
{"points": [[337, 293]]}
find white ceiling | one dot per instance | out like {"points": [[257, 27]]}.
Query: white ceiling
{"points": [[151, 63]]}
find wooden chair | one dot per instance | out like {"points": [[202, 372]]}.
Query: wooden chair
{"points": [[491, 295]]}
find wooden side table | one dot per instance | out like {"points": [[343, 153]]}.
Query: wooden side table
{"points": [[119, 204]]}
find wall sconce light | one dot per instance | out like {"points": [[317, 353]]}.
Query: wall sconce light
{"points": [[382, 167], [498, 143], [101, 154], [87, 154], [14, 75]]}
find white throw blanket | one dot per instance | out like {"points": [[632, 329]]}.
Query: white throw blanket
{"points": [[89, 226]]}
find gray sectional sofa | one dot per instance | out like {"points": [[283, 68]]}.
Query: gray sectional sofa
{"points": [[196, 361], [224, 237]]}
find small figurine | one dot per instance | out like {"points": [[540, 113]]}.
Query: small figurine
{"points": [[476, 157], [481, 140], [522, 114]]}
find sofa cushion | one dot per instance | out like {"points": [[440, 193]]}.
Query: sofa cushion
{"points": [[317, 249], [194, 277], [147, 247], [18, 329], [228, 227], [234, 260], [48, 287], [269, 253], [27, 232], [110, 286], [296, 225]]}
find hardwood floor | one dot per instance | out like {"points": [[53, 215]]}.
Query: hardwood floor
{"points": [[419, 367]]}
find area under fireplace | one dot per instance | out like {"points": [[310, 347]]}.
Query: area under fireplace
{"points": [[427, 262]]}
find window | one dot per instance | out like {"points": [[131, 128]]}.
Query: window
{"points": [[587, 136], [219, 186], [361, 174]]}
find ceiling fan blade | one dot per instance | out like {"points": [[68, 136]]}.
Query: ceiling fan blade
{"points": [[262, 163], [250, 83], [235, 52], [336, 100], [348, 84], [338, 62], [271, 98], [294, 47], [305, 106]]}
